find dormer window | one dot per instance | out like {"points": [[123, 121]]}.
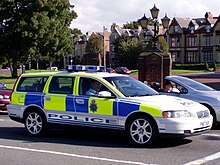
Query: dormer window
{"points": [[175, 28], [192, 29], [208, 28]]}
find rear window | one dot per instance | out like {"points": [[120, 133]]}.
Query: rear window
{"points": [[31, 84], [61, 85]]}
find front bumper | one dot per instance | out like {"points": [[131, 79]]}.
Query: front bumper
{"points": [[184, 126]]}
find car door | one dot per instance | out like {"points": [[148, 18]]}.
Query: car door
{"points": [[95, 110], [59, 96], [29, 91]]}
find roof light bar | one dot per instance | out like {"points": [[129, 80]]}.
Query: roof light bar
{"points": [[85, 68]]}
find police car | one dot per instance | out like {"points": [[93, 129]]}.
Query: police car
{"points": [[119, 102]]}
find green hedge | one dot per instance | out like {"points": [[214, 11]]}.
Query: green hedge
{"points": [[204, 66]]}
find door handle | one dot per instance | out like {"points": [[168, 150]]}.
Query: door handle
{"points": [[79, 101]]}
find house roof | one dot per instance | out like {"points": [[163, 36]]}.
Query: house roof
{"points": [[183, 22]]}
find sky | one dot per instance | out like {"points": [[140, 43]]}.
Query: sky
{"points": [[93, 15]]}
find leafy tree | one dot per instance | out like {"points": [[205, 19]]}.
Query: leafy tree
{"points": [[163, 44], [129, 48], [76, 32], [95, 45], [131, 25], [35, 27]]}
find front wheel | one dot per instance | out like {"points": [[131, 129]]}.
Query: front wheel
{"points": [[35, 123], [142, 131]]}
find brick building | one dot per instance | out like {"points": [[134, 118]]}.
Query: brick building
{"points": [[194, 40]]}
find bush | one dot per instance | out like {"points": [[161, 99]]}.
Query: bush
{"points": [[203, 66]]}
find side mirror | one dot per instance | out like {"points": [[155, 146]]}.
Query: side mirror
{"points": [[105, 94]]}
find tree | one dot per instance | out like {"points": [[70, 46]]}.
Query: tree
{"points": [[131, 25], [129, 48], [95, 45], [163, 44], [35, 27]]}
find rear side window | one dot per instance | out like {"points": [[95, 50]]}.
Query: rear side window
{"points": [[61, 85], [31, 84]]}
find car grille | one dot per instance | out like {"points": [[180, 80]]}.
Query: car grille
{"points": [[203, 114]]}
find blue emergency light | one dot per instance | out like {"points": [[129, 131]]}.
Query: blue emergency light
{"points": [[76, 68]]}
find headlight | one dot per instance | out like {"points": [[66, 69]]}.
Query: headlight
{"points": [[175, 114], [1, 97]]}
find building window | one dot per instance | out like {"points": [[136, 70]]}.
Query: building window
{"points": [[192, 29], [191, 41], [175, 42], [175, 28], [192, 57], [207, 41], [175, 57], [208, 57]]}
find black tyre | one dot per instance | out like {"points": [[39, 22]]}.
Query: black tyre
{"points": [[142, 130], [35, 122]]}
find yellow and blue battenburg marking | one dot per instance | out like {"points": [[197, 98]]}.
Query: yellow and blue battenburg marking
{"points": [[91, 105]]}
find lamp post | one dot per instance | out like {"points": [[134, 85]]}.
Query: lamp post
{"points": [[144, 23]]}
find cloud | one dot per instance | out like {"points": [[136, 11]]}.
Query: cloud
{"points": [[94, 14]]}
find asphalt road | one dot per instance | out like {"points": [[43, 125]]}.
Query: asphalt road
{"points": [[96, 146]]}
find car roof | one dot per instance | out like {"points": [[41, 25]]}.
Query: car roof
{"points": [[66, 73]]}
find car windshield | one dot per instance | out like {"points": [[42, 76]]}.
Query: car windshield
{"points": [[194, 84], [131, 87]]}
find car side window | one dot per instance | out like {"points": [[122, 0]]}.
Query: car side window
{"points": [[88, 86], [31, 84], [181, 89], [61, 85]]}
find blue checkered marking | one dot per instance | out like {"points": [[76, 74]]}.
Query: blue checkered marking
{"points": [[125, 108], [35, 98], [115, 108], [82, 107], [70, 103]]}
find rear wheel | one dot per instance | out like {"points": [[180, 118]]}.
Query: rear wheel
{"points": [[35, 122], [142, 130]]}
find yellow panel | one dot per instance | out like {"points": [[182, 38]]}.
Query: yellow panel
{"points": [[100, 106], [57, 102], [18, 98], [153, 110]]}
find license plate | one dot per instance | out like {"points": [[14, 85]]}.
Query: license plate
{"points": [[204, 123]]}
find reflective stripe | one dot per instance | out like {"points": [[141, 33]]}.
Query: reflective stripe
{"points": [[18, 98], [100, 106], [35, 98], [57, 102], [152, 110], [126, 107]]}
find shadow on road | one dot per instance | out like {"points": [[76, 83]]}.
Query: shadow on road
{"points": [[84, 137]]}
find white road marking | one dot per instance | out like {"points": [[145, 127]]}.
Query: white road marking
{"points": [[215, 135], [2, 120], [205, 159], [74, 155]]}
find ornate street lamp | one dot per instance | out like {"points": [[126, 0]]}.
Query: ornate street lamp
{"points": [[165, 21], [154, 12], [144, 22]]}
